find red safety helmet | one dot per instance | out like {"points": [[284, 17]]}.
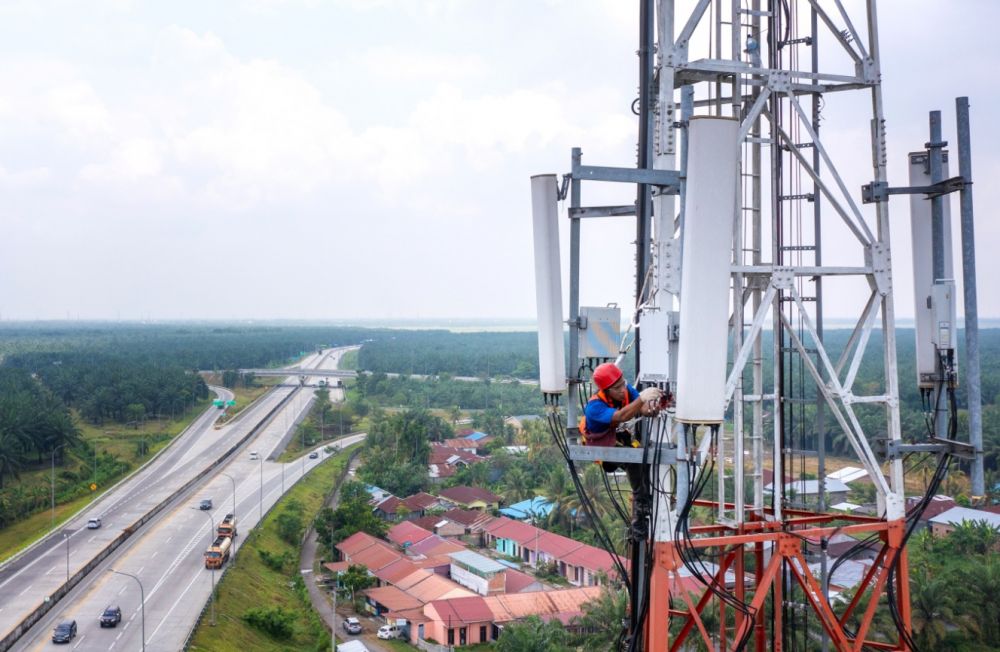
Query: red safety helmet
{"points": [[606, 375]]}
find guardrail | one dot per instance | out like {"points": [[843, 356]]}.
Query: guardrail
{"points": [[39, 612]]}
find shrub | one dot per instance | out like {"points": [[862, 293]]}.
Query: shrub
{"points": [[274, 620]]}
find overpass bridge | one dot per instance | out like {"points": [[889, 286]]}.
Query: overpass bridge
{"points": [[295, 371]]}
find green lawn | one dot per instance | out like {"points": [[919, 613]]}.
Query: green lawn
{"points": [[250, 583]]}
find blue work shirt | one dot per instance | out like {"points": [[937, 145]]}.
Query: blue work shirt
{"points": [[599, 414]]}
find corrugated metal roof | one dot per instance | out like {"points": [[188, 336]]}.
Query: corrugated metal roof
{"points": [[406, 533], [957, 515], [477, 561], [462, 610], [375, 557]]}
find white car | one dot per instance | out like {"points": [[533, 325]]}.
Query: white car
{"points": [[93, 523], [389, 631], [254, 455]]}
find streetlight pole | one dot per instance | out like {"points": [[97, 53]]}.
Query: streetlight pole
{"points": [[260, 499], [211, 537], [142, 602], [53, 476], [66, 540], [236, 521]]}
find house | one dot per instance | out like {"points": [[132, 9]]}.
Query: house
{"points": [[836, 546], [406, 533], [848, 474], [529, 510], [434, 545], [471, 497], [441, 526], [377, 494], [945, 522], [586, 565], [473, 620], [936, 505], [445, 461], [509, 537], [476, 446], [410, 508], [806, 492], [358, 542], [481, 574], [471, 520]]}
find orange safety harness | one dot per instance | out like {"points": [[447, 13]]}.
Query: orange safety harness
{"points": [[585, 434]]}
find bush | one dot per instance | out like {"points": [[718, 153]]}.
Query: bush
{"points": [[274, 620], [275, 561], [289, 525]]}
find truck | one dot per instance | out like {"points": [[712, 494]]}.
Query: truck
{"points": [[227, 528], [218, 552]]}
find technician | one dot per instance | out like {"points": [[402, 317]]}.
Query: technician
{"points": [[608, 412]]}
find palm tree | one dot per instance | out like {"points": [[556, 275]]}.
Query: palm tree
{"points": [[602, 620], [517, 485], [11, 454], [932, 602]]}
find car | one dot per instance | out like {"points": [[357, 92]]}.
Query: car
{"points": [[94, 523], [351, 625], [254, 455], [313, 455], [112, 616], [205, 504], [389, 631], [64, 632]]}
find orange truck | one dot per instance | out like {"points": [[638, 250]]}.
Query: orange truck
{"points": [[227, 528], [218, 552]]}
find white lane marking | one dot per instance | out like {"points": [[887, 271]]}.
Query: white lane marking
{"points": [[197, 575], [122, 590], [95, 536], [112, 646], [27, 589], [169, 538], [126, 625], [119, 635], [139, 572], [80, 641], [155, 552], [51, 570]]}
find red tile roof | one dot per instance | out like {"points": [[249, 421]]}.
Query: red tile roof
{"points": [[376, 557], [461, 610], [516, 581], [427, 522], [434, 545], [420, 501], [466, 495], [407, 533], [358, 542], [396, 571], [592, 558], [465, 517], [337, 566], [505, 528], [389, 505], [392, 598], [440, 454], [555, 545]]}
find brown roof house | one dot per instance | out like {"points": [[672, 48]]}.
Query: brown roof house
{"points": [[471, 497]]}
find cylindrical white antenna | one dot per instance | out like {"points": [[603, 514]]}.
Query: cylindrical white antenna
{"points": [[705, 276], [548, 283]]}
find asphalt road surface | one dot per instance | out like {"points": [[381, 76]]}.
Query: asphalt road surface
{"points": [[166, 554]]}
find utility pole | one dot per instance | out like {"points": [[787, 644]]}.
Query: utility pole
{"points": [[53, 482]]}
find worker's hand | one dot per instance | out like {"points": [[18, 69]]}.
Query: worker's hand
{"points": [[650, 395]]}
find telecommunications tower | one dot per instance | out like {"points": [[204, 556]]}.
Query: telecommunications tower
{"points": [[736, 195]]}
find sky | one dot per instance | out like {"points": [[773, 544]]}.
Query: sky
{"points": [[370, 159]]}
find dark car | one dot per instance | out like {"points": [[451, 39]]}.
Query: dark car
{"points": [[64, 632], [313, 455], [205, 504], [112, 616]]}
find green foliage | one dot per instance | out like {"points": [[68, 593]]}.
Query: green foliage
{"points": [[397, 449], [533, 635], [290, 527], [275, 621], [356, 578], [459, 354], [274, 561], [445, 393], [602, 620], [353, 514]]}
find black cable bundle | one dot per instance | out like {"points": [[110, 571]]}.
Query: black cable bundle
{"points": [[688, 553]]}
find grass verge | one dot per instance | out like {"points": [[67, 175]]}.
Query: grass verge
{"points": [[106, 455], [266, 573]]}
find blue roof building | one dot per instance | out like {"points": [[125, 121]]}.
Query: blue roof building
{"points": [[527, 510], [476, 436]]}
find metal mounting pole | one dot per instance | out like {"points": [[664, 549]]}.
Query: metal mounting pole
{"points": [[972, 375]]}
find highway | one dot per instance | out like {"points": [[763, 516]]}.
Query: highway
{"points": [[166, 553]]}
